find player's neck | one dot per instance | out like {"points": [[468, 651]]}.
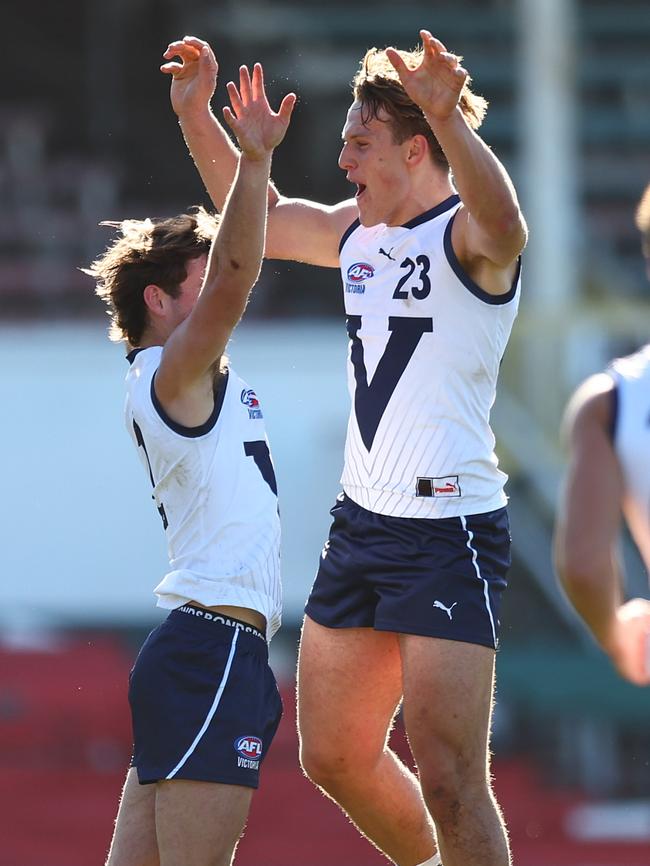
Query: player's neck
{"points": [[152, 337], [427, 193]]}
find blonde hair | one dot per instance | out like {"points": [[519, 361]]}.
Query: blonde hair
{"points": [[377, 86], [149, 251]]}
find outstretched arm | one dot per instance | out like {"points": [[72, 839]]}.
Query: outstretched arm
{"points": [[186, 369], [587, 530], [299, 230], [193, 82], [490, 224]]}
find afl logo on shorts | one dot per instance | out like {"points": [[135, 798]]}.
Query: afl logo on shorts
{"points": [[360, 271], [249, 748]]}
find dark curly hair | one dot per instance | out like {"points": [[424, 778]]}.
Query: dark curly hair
{"points": [[147, 251]]}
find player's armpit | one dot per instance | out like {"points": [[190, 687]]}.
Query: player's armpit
{"points": [[305, 231], [491, 260]]}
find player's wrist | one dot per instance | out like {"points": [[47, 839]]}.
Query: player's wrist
{"points": [[196, 118], [257, 158], [453, 120]]}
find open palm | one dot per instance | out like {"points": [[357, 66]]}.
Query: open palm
{"points": [[258, 128], [436, 84]]}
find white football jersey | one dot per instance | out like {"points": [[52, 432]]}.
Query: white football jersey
{"points": [[425, 347], [631, 427], [215, 490]]}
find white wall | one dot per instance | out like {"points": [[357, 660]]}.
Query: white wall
{"points": [[81, 539]]}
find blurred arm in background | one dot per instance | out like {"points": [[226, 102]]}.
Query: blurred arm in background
{"points": [[608, 430], [587, 531]]}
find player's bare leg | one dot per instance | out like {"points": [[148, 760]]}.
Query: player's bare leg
{"points": [[449, 740], [134, 840], [349, 687], [199, 823]]}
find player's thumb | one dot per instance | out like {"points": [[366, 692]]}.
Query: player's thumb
{"points": [[286, 107]]}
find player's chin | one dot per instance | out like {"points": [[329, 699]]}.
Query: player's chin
{"points": [[367, 214]]}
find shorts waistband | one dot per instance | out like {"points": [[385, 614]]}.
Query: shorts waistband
{"points": [[209, 619]]}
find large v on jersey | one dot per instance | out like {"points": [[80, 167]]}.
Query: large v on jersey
{"points": [[425, 347]]}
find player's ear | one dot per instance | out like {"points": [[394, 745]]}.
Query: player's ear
{"points": [[154, 299], [418, 150]]}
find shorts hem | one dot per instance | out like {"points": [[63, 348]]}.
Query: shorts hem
{"points": [[403, 628], [152, 778], [322, 621]]}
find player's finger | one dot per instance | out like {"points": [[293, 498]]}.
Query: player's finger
{"points": [[245, 84], [195, 42], [450, 59], [235, 99], [287, 106], [208, 66], [396, 61], [259, 91], [230, 119], [428, 38], [171, 68], [180, 49]]}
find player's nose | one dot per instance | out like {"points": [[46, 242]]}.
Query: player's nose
{"points": [[345, 161]]}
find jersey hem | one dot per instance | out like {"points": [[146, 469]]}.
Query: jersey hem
{"points": [[170, 600], [490, 505]]}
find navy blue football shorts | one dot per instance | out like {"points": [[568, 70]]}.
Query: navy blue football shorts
{"points": [[435, 577], [204, 701]]}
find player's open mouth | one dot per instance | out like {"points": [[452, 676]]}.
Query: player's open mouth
{"points": [[361, 188]]}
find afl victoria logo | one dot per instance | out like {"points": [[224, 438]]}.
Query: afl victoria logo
{"points": [[360, 271], [249, 398], [249, 747]]}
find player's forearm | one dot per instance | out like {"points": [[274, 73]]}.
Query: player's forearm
{"points": [[482, 182], [236, 255], [215, 156], [594, 590]]}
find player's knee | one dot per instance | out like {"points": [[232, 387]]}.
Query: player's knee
{"points": [[451, 786], [319, 764], [328, 767]]}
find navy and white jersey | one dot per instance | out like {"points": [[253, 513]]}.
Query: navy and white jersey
{"points": [[215, 489], [632, 442], [425, 347]]}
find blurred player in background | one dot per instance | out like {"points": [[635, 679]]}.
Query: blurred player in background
{"points": [[405, 603], [204, 701], [608, 428]]}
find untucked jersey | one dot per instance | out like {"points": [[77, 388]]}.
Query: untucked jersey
{"points": [[425, 347], [632, 442], [215, 490]]}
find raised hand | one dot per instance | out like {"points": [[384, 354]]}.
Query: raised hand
{"points": [[258, 128], [194, 78], [436, 84]]}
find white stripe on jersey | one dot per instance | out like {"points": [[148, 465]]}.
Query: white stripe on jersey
{"points": [[214, 488], [425, 347], [213, 708], [632, 443]]}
